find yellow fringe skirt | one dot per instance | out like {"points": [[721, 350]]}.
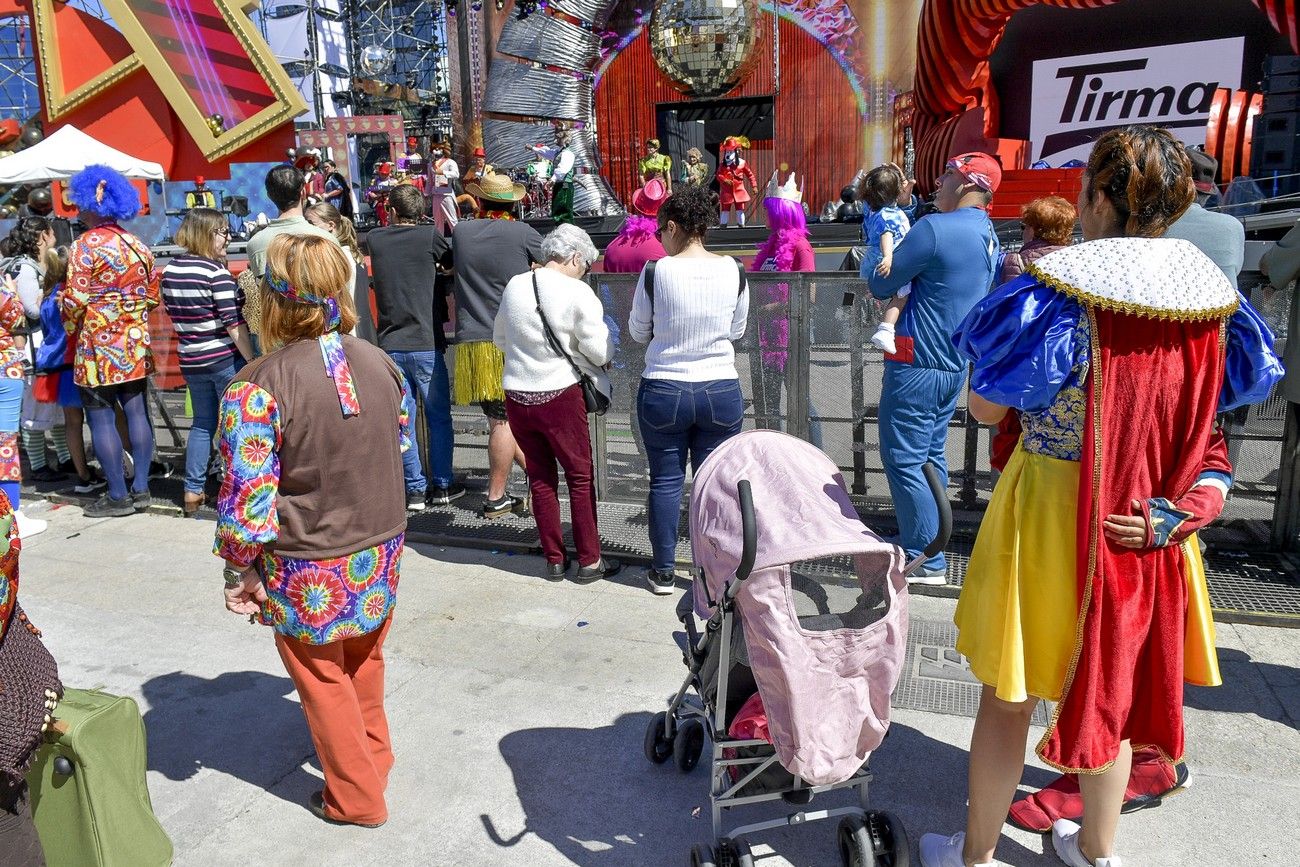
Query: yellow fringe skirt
{"points": [[1019, 604], [479, 366]]}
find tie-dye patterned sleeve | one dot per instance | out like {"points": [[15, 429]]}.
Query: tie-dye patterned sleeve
{"points": [[249, 427], [405, 434]]}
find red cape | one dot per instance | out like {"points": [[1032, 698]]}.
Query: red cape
{"points": [[1149, 432]]}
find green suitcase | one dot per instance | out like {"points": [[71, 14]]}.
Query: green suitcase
{"points": [[89, 797]]}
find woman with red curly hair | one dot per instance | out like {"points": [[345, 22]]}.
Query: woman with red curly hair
{"points": [[1085, 586]]}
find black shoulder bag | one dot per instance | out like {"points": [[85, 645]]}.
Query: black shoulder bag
{"points": [[592, 396]]}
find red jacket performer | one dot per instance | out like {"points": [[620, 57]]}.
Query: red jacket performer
{"points": [[732, 175]]}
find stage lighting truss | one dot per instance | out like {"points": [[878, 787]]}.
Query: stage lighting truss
{"points": [[20, 96], [415, 33]]}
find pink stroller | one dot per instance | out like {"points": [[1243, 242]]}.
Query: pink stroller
{"points": [[817, 648]]}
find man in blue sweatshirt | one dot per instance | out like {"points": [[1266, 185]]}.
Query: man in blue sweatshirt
{"points": [[949, 258]]}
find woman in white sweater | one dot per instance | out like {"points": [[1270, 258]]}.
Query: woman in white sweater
{"points": [[544, 403], [689, 400]]}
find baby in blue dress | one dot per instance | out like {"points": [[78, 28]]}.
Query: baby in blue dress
{"points": [[882, 229]]}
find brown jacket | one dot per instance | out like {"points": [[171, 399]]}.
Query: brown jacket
{"points": [[341, 487], [1014, 264]]}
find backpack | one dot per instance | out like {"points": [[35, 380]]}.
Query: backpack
{"points": [[650, 285]]}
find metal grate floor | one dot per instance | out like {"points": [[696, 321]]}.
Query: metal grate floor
{"points": [[936, 677]]}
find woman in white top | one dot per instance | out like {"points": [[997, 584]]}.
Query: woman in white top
{"points": [[689, 400], [544, 402]]}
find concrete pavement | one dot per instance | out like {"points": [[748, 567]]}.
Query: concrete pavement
{"points": [[517, 709]]}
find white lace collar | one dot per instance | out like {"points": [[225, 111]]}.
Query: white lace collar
{"points": [[1161, 278]]}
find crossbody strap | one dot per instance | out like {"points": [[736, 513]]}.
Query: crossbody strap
{"points": [[550, 335], [650, 286]]}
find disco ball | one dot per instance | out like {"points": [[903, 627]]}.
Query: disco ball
{"points": [[376, 60], [704, 46]]}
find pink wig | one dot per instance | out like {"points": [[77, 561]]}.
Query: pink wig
{"points": [[788, 226]]}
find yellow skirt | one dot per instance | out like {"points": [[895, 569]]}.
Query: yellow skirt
{"points": [[1019, 604], [479, 366]]}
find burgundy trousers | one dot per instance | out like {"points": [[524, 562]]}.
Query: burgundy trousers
{"points": [[556, 432]]}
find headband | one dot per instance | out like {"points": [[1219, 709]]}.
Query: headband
{"points": [[331, 344]]}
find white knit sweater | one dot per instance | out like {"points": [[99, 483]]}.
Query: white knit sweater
{"points": [[575, 315], [698, 310]]}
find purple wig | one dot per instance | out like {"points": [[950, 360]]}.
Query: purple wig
{"points": [[787, 226], [101, 190]]}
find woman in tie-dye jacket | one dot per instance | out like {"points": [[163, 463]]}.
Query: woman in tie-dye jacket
{"points": [[312, 512]]}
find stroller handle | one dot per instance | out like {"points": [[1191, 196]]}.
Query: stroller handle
{"points": [[940, 494], [749, 530]]}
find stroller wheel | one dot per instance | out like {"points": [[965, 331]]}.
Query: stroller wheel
{"points": [[702, 856], [741, 856], [855, 843], [657, 747], [688, 745], [888, 839]]}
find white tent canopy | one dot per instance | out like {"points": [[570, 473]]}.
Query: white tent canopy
{"points": [[67, 151]]}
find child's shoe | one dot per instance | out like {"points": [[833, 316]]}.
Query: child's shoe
{"points": [[883, 339]]}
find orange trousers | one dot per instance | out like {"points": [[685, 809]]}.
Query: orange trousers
{"points": [[341, 687]]}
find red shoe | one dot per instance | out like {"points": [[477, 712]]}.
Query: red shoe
{"points": [[1150, 782]]}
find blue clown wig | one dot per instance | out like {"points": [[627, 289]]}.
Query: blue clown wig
{"points": [[104, 191]]}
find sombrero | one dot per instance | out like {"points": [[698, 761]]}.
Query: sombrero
{"points": [[496, 188]]}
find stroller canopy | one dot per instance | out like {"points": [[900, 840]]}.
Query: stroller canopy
{"points": [[825, 680]]}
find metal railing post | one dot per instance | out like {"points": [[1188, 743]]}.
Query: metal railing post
{"points": [[858, 385], [798, 366], [1286, 512]]}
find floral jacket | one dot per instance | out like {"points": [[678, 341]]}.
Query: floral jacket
{"points": [[313, 601], [110, 289]]}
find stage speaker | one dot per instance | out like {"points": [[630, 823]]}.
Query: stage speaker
{"points": [[1282, 64]]}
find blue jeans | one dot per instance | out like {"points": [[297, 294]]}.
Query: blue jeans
{"points": [[681, 420], [426, 376], [916, 404], [205, 397]]}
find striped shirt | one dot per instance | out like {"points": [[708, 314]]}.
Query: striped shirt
{"points": [[698, 310], [203, 301]]}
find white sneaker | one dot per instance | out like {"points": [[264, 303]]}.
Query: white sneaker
{"points": [[883, 339], [28, 527], [940, 851], [1065, 840]]}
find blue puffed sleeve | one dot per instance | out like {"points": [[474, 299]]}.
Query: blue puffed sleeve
{"points": [[1251, 368], [1023, 340]]}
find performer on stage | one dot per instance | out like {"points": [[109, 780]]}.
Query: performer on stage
{"points": [[1086, 585], [200, 196], [562, 177], [733, 194], [443, 173], [308, 163], [696, 170], [377, 194], [656, 165], [479, 168], [477, 171]]}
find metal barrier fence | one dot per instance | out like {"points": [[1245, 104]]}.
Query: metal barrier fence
{"points": [[806, 348], [807, 367]]}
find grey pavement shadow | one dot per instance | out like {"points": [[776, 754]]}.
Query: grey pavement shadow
{"points": [[928, 778], [1239, 692], [592, 795], [191, 720]]}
